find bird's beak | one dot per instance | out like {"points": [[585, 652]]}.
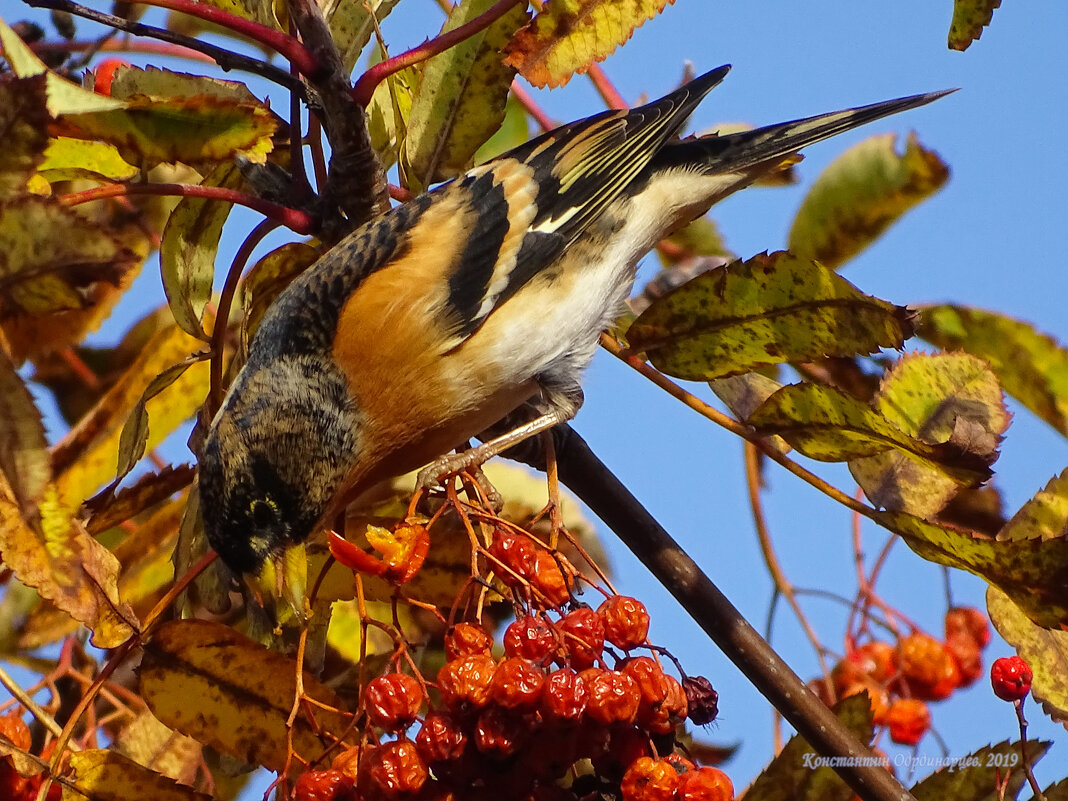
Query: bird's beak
{"points": [[284, 578]]}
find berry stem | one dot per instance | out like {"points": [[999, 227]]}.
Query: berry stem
{"points": [[1039, 796]]}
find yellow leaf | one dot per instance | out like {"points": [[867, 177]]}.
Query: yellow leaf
{"points": [[352, 24], [214, 684], [570, 35], [861, 194], [67, 158], [24, 462], [104, 775], [64, 564]]}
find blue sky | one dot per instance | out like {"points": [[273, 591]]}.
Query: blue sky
{"points": [[991, 238]]}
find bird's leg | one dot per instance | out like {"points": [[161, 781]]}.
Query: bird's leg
{"points": [[454, 463]]}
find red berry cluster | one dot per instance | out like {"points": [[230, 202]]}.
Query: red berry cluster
{"points": [[13, 786], [567, 689], [900, 680]]}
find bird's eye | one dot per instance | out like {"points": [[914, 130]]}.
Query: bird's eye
{"points": [[264, 512]]}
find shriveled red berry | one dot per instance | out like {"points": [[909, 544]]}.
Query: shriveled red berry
{"points": [[908, 719], [393, 701], [466, 682], [968, 656], [549, 579], [396, 769], [1011, 676], [466, 639], [649, 779], [441, 739], [663, 702], [322, 785], [516, 553], [626, 621], [564, 696], [702, 701], [582, 633], [14, 728], [614, 697], [531, 638], [876, 659], [968, 620], [500, 732], [517, 684], [347, 762], [704, 784], [625, 746]]}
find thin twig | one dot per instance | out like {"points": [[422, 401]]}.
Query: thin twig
{"points": [[226, 59]]}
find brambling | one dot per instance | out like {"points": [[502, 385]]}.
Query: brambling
{"points": [[428, 325]]}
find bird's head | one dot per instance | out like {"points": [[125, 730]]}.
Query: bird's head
{"points": [[275, 456]]}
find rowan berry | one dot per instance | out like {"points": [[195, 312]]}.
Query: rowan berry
{"points": [[564, 696], [928, 669], [323, 785], [1011, 676], [516, 553], [626, 621], [517, 684], [500, 732], [876, 659], [625, 746], [968, 656], [441, 739], [392, 702], [614, 697], [878, 698], [908, 719], [582, 632], [702, 701], [704, 784], [649, 779], [531, 638], [549, 579], [968, 620], [466, 682], [396, 769], [466, 639], [347, 762]]}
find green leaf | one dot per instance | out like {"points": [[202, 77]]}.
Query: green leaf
{"points": [[460, 100], [1046, 651], [568, 36], [389, 111], [192, 130], [767, 310], [862, 193], [514, 131], [1030, 571], [972, 777], [829, 425], [942, 398], [969, 19], [188, 249], [797, 773], [24, 122], [352, 23], [1032, 366]]}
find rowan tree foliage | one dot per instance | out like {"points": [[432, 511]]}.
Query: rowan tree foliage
{"points": [[450, 645]]}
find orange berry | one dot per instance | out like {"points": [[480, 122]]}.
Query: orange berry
{"points": [[968, 620], [466, 682], [104, 74], [531, 638], [705, 784], [614, 697], [517, 684], [582, 632], [926, 666], [968, 656], [663, 701], [347, 762], [393, 701], [908, 719], [564, 696], [466, 639], [549, 579], [322, 785], [396, 769], [875, 659], [649, 779], [518, 554], [15, 729], [626, 621], [878, 697]]}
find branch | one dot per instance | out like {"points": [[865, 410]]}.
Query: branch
{"points": [[298, 221], [226, 59], [595, 485], [365, 86]]}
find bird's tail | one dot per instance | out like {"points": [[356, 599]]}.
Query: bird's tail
{"points": [[748, 150]]}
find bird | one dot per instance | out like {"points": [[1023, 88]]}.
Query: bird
{"points": [[479, 301]]}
